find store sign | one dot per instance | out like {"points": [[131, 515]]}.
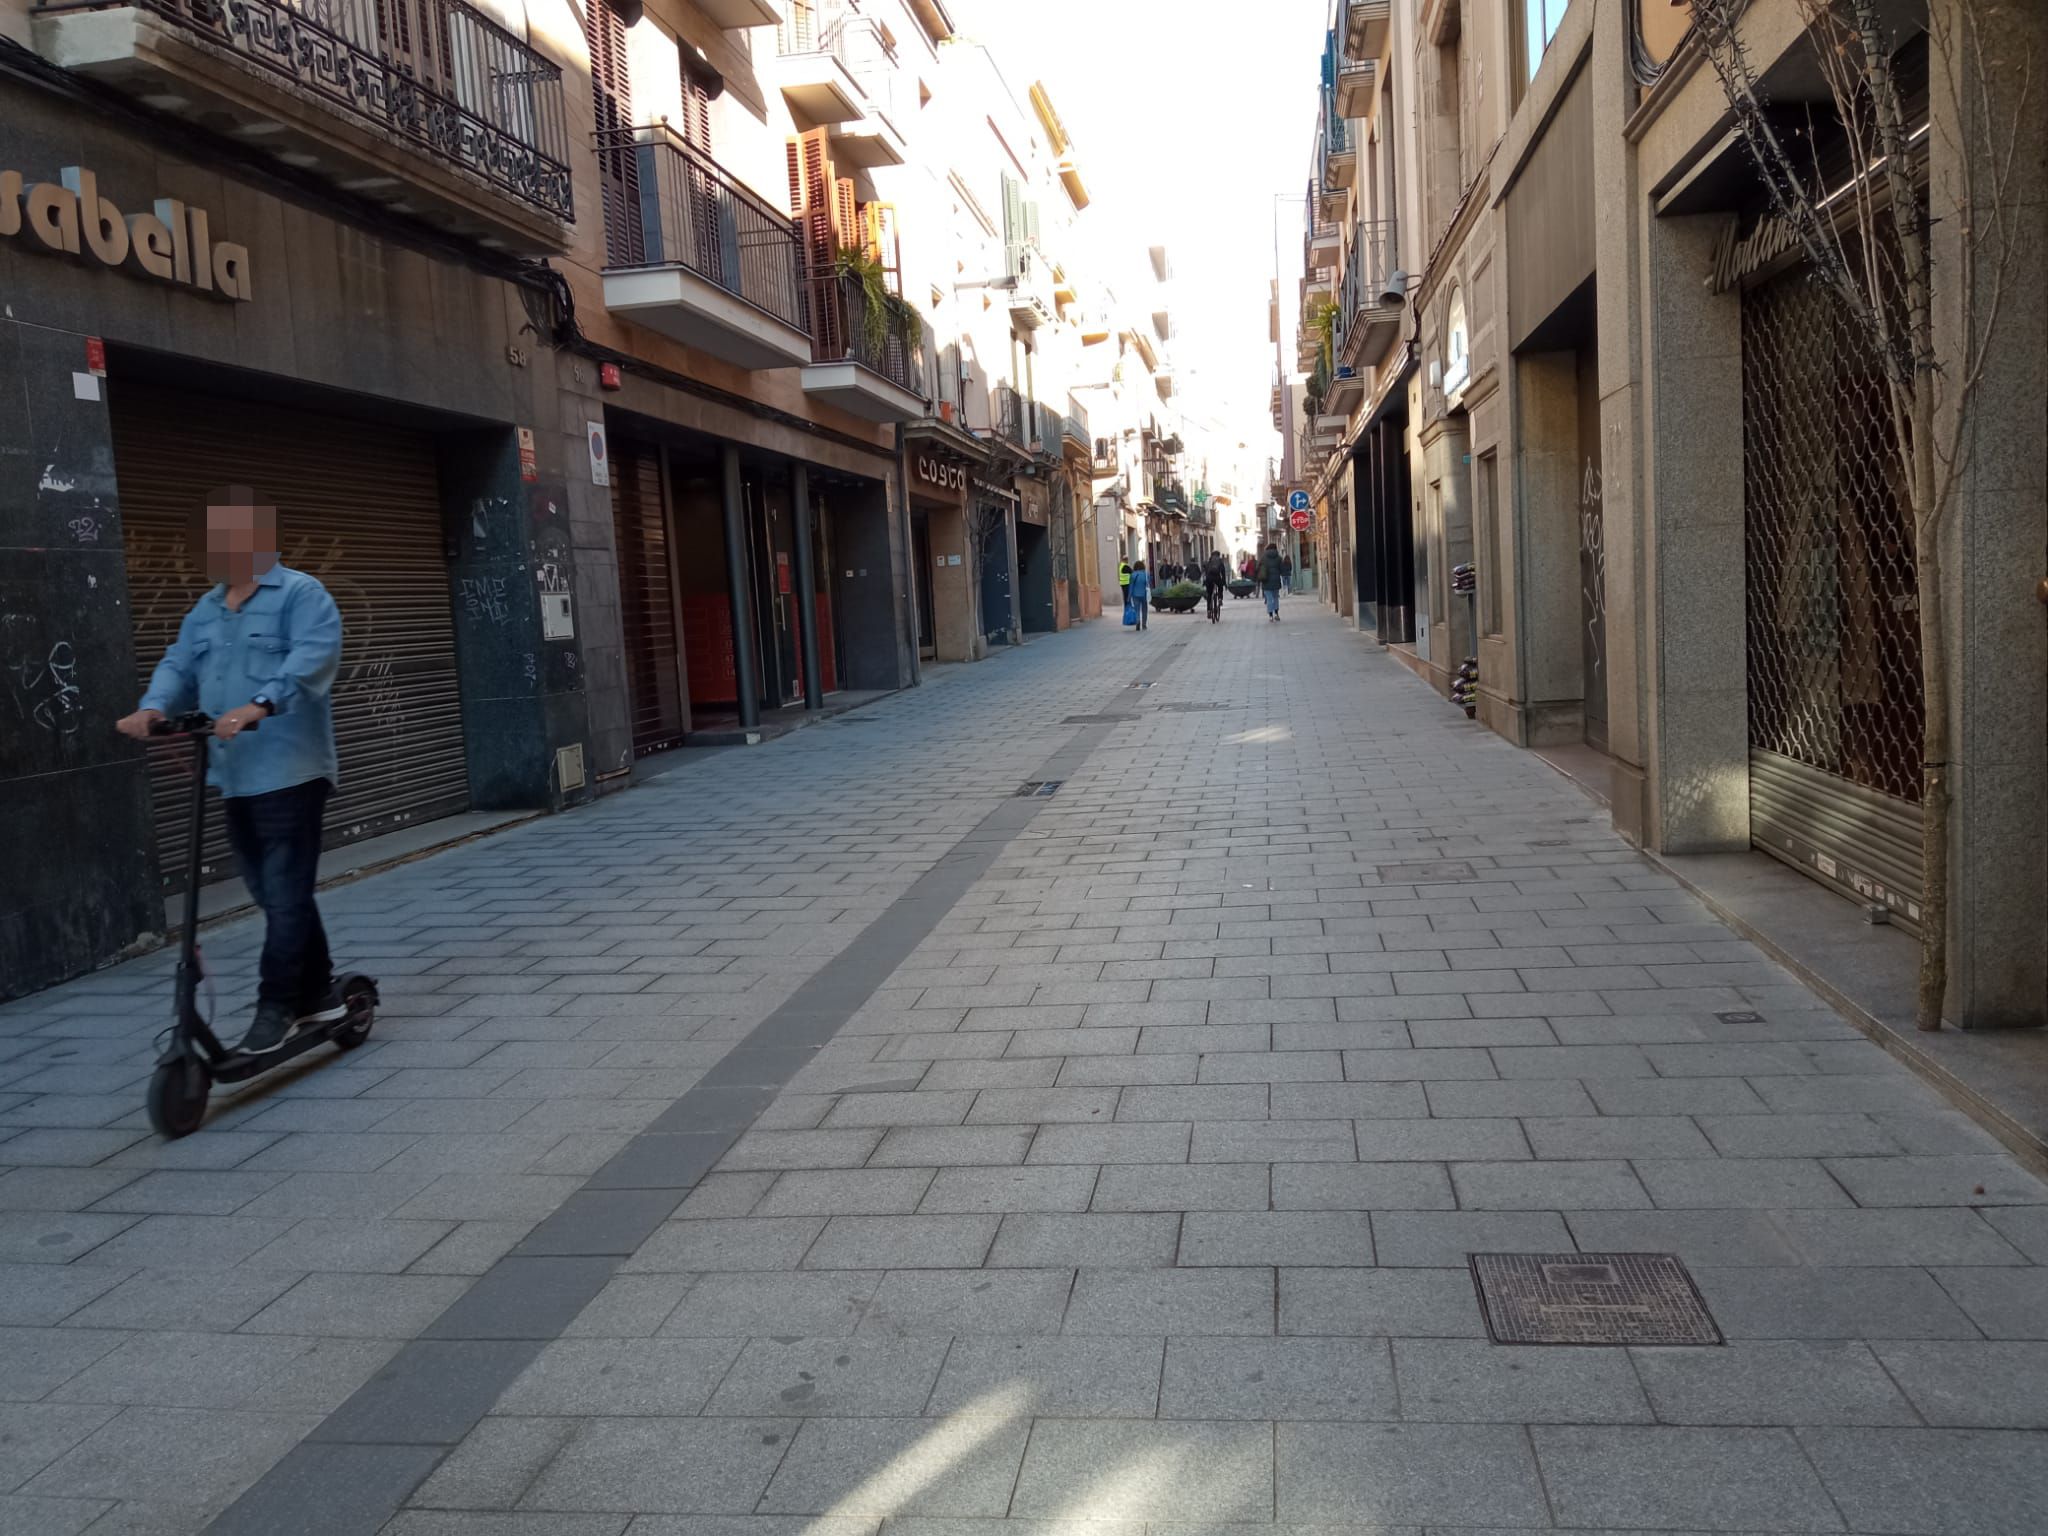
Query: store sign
{"points": [[1736, 259], [172, 244], [948, 477]]}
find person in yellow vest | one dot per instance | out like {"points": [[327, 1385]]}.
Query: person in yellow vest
{"points": [[1123, 576]]}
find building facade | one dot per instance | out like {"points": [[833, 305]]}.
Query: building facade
{"points": [[593, 357], [1616, 451]]}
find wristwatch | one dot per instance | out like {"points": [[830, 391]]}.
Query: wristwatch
{"points": [[264, 704]]}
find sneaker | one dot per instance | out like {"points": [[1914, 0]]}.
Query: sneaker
{"points": [[273, 1026], [329, 1008]]}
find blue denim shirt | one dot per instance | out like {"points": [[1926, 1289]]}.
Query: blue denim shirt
{"points": [[285, 644]]}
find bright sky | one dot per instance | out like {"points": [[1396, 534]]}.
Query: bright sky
{"points": [[1187, 117]]}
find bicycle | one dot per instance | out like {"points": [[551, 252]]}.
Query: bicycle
{"points": [[1215, 602]]}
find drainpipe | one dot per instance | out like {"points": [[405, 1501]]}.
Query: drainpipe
{"points": [[806, 587], [742, 594]]}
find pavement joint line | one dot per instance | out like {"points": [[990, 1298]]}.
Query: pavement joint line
{"points": [[439, 1385]]}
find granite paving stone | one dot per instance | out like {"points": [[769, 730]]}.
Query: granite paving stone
{"points": [[1105, 1164]]}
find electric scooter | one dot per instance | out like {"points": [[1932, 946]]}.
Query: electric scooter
{"points": [[194, 1059]]}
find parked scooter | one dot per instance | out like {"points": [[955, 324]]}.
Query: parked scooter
{"points": [[194, 1059]]}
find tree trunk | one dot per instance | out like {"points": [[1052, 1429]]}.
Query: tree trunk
{"points": [[1934, 752]]}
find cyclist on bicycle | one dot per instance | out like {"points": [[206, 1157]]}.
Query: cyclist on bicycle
{"points": [[1215, 574]]}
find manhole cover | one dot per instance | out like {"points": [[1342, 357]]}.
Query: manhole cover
{"points": [[1096, 719], [1038, 789], [1402, 874], [1590, 1298], [1740, 1018]]}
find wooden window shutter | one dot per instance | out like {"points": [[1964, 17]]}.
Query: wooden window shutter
{"points": [[880, 241], [845, 216], [812, 196], [611, 94]]}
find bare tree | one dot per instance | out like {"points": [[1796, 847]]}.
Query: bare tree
{"points": [[1870, 241]]}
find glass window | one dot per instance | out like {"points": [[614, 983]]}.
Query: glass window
{"points": [[1540, 20], [1457, 346]]}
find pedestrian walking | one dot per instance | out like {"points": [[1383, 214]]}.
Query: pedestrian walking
{"points": [[258, 652], [1141, 589], [1272, 576]]}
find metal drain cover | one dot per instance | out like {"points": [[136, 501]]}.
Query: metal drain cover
{"points": [[1097, 719], [1038, 789], [1590, 1298], [1404, 874], [1191, 707]]}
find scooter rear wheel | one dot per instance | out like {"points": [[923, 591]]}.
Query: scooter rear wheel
{"points": [[359, 994], [177, 1096]]}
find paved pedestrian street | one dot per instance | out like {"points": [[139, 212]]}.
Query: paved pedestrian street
{"points": [[821, 1139]]}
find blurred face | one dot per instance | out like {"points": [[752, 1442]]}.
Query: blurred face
{"points": [[241, 542]]}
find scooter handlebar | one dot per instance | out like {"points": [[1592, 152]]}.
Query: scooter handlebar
{"points": [[192, 723]]}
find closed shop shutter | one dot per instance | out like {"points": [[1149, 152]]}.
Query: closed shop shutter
{"points": [[1835, 709], [647, 608], [359, 508]]}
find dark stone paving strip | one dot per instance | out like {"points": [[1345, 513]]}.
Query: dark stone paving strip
{"points": [[357, 1468]]}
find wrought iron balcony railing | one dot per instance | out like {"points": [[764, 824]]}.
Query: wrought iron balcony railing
{"points": [[1374, 265], [844, 328], [668, 204], [1047, 426], [1012, 416], [438, 74], [1076, 424], [1106, 456]]}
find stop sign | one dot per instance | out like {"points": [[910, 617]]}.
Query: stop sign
{"points": [[1299, 521]]}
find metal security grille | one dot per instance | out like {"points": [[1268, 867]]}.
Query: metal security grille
{"points": [[1835, 707], [359, 507], [648, 620]]}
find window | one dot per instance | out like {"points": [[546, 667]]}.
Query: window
{"points": [[1540, 20], [1457, 346], [1493, 550]]}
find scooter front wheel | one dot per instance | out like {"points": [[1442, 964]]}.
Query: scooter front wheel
{"points": [[177, 1096]]}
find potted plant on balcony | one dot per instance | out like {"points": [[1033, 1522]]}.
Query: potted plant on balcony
{"points": [[882, 310]]}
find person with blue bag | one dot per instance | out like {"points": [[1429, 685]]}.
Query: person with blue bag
{"points": [[1135, 602]]}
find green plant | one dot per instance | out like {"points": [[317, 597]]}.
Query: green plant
{"points": [[879, 304]]}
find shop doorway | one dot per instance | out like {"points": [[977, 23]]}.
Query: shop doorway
{"points": [[1034, 589], [927, 598], [994, 555], [359, 507]]}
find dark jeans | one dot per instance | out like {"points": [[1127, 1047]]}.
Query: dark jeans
{"points": [[276, 838]]}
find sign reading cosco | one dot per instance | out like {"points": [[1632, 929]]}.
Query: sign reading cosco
{"points": [[952, 477], [173, 244]]}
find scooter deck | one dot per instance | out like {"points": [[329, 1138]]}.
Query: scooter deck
{"points": [[240, 1066]]}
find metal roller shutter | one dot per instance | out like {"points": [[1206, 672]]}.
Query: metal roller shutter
{"points": [[647, 606], [358, 507]]}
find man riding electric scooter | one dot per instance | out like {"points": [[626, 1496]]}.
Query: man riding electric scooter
{"points": [[258, 653]]}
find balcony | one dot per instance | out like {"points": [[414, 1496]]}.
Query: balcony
{"points": [[1322, 244], [1162, 381], [1047, 427], [864, 359], [812, 67], [1105, 458], [1170, 496], [459, 122], [1010, 414], [1369, 312], [1355, 86], [1347, 388], [1364, 24], [876, 136], [738, 15], [1074, 437], [692, 253], [1340, 154], [1032, 304]]}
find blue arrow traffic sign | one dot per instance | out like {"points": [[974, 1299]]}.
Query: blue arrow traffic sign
{"points": [[1297, 501]]}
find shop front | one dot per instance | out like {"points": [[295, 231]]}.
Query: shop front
{"points": [[942, 460], [748, 583], [207, 328]]}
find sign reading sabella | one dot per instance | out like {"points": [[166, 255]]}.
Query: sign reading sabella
{"points": [[173, 244]]}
